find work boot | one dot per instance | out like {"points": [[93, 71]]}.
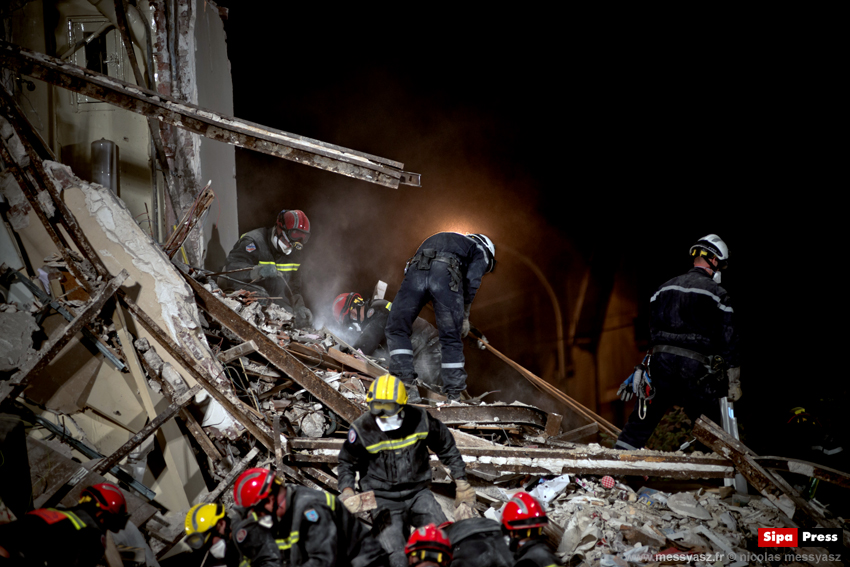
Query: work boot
{"points": [[413, 396], [453, 397]]}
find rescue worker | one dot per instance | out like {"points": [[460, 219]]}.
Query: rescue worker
{"points": [[274, 255], [208, 533], [523, 519], [695, 356], [297, 526], [388, 447], [428, 546], [478, 542], [446, 270], [65, 537], [368, 319]]}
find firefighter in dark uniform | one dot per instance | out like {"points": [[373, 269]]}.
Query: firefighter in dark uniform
{"points": [[388, 447], [208, 533], [274, 255], [60, 537], [478, 542], [368, 319], [297, 526], [695, 357], [523, 519], [446, 270]]}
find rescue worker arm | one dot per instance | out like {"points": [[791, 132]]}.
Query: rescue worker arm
{"points": [[243, 255], [350, 455], [475, 270], [257, 545], [373, 333], [442, 443], [319, 538], [731, 339]]}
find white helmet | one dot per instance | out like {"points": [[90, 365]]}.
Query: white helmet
{"points": [[711, 245], [487, 245]]}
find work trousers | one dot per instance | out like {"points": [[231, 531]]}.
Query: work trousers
{"points": [[394, 519], [676, 383], [418, 288]]}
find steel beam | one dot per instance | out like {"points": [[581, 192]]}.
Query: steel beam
{"points": [[19, 381], [275, 354], [490, 415], [193, 118]]}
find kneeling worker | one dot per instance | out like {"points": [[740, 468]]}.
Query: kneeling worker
{"points": [[274, 255], [389, 448]]}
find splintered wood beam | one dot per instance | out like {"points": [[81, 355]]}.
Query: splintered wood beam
{"points": [[237, 351], [275, 354], [146, 431], [20, 380], [226, 398], [193, 118], [772, 487], [523, 460]]}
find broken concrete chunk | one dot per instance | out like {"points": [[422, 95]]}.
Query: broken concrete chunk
{"points": [[685, 504], [16, 331]]}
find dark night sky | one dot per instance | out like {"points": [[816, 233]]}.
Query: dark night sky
{"points": [[555, 140]]}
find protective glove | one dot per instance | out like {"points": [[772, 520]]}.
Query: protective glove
{"points": [[352, 504], [464, 493], [464, 330], [735, 392], [626, 391], [264, 271], [303, 316]]}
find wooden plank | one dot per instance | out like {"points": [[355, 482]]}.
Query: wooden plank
{"points": [[806, 468], [578, 433], [774, 488], [19, 381], [355, 363], [237, 351]]}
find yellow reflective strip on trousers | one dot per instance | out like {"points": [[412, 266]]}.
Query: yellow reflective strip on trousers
{"points": [[395, 444], [287, 267], [288, 542]]}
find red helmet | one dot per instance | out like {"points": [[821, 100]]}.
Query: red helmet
{"points": [[429, 543], [294, 225], [522, 512], [253, 486], [343, 304], [106, 497]]}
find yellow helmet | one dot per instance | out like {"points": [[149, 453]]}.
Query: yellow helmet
{"points": [[200, 519], [386, 395]]}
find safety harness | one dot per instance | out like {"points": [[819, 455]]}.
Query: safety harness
{"points": [[715, 366]]}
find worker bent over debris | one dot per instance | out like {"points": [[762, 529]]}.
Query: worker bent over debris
{"points": [[368, 319], [446, 270], [695, 359], [274, 255], [294, 525], [429, 546], [208, 533], [389, 448], [59, 537]]}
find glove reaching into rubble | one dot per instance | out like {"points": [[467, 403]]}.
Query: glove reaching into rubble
{"points": [[350, 501], [303, 316], [263, 272], [735, 392], [464, 493]]}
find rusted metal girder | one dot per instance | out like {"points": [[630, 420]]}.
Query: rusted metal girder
{"points": [[773, 487], [226, 398], [19, 381], [146, 431], [213, 125], [274, 353], [490, 415], [512, 460]]}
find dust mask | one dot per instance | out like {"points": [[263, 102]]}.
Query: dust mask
{"points": [[281, 245], [218, 548], [716, 276], [390, 423]]}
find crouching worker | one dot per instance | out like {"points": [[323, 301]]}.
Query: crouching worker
{"points": [[523, 519], [389, 448], [63, 537], [428, 546], [297, 526], [208, 533]]}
